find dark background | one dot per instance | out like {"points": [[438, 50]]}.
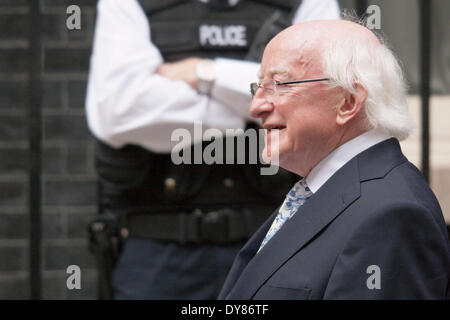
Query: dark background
{"points": [[68, 182]]}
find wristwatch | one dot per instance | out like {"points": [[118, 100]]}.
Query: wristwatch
{"points": [[206, 74]]}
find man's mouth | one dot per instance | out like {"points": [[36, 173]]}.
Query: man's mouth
{"points": [[274, 127]]}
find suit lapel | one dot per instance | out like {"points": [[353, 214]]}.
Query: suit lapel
{"points": [[245, 255], [324, 206], [250, 272]]}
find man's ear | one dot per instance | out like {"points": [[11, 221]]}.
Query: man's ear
{"points": [[351, 105]]}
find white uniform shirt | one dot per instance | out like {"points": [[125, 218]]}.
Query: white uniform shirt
{"points": [[127, 102]]}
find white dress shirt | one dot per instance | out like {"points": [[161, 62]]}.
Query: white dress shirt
{"points": [[340, 156], [127, 102]]}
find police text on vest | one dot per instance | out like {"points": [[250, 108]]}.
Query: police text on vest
{"points": [[221, 36]]}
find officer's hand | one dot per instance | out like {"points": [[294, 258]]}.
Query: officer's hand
{"points": [[183, 70]]}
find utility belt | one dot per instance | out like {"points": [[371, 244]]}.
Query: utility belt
{"points": [[217, 226], [197, 227], [187, 204]]}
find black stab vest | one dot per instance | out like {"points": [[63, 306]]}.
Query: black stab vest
{"points": [[135, 180]]}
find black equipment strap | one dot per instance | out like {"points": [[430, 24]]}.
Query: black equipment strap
{"points": [[215, 227]]}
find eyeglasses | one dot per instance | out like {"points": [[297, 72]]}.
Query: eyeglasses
{"points": [[269, 86]]}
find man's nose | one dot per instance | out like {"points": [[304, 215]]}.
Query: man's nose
{"points": [[260, 105]]}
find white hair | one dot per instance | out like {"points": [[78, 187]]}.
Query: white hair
{"points": [[355, 61]]}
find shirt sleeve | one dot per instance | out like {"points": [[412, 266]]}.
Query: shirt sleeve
{"points": [[233, 77], [317, 10], [127, 102], [232, 84]]}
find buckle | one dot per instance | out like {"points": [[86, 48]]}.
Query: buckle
{"points": [[214, 227]]}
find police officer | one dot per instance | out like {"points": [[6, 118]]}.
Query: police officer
{"points": [[162, 65]]}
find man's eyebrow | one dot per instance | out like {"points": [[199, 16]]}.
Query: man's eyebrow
{"points": [[274, 71]]}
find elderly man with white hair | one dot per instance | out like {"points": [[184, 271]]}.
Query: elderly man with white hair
{"points": [[362, 223]]}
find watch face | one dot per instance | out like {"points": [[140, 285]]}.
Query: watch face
{"points": [[206, 75], [205, 70], [204, 87]]}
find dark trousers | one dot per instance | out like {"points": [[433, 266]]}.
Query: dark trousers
{"points": [[149, 269]]}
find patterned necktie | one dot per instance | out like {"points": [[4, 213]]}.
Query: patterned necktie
{"points": [[296, 197]]}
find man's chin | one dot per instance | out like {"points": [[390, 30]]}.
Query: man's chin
{"points": [[274, 155], [271, 156], [271, 149]]}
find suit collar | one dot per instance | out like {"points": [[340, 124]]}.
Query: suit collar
{"points": [[340, 156], [377, 161], [249, 274]]}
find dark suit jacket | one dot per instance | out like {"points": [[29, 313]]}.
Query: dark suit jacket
{"points": [[377, 210]]}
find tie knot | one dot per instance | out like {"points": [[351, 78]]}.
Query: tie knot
{"points": [[295, 198], [300, 191]]}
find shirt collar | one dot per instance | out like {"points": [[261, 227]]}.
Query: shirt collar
{"points": [[328, 166]]}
